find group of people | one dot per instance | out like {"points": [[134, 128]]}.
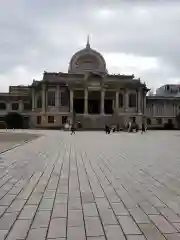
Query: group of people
{"points": [[134, 126], [131, 128], [109, 129]]}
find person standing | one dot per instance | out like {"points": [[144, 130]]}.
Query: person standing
{"points": [[143, 129]]}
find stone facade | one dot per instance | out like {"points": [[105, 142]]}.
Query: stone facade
{"points": [[87, 94]]}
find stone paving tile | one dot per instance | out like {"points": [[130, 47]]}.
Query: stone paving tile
{"points": [[93, 227], [39, 234], [7, 200], [90, 210], [169, 214], [61, 198], [108, 217], [7, 220], [19, 230], [46, 204], [57, 228], [162, 224], [74, 204], [135, 237], [75, 218], [151, 232], [139, 215], [128, 225], [46, 188], [34, 199], [59, 210], [2, 210], [76, 233], [3, 234], [41, 219], [114, 232], [28, 212], [96, 238], [174, 236], [119, 209]]}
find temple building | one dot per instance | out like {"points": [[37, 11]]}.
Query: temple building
{"points": [[88, 94]]}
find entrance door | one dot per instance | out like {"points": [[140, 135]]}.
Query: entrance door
{"points": [[94, 100], [108, 106]]}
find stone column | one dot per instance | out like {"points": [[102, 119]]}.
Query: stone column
{"points": [[86, 101], [102, 101], [126, 101], [21, 106], [144, 102], [57, 97], [9, 107], [154, 109], [43, 98], [139, 101], [117, 102], [71, 101], [33, 99]]}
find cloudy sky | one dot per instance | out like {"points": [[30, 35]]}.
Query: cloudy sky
{"points": [[135, 37]]}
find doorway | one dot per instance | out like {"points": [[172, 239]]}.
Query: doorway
{"points": [[14, 120], [94, 101], [79, 101]]}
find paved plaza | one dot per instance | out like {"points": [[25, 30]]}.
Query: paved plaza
{"points": [[13, 138], [91, 186]]}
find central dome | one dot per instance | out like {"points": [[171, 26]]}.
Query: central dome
{"points": [[87, 60]]}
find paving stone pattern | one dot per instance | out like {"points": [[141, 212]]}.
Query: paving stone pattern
{"points": [[92, 186]]}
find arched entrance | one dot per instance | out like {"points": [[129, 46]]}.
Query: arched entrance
{"points": [[14, 120]]}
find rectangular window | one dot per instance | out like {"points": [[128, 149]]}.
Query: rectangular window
{"points": [[39, 101], [64, 98], [51, 98], [27, 106], [38, 120], [64, 119], [121, 100], [50, 119], [2, 106], [132, 100], [159, 120], [15, 106]]}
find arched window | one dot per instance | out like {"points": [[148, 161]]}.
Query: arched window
{"points": [[121, 100], [132, 100], [2, 106]]}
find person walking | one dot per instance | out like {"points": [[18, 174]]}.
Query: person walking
{"points": [[107, 129], [73, 130]]}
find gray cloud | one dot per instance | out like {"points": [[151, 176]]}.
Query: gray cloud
{"points": [[43, 35]]}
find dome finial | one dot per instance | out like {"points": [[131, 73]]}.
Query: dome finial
{"points": [[88, 44]]}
